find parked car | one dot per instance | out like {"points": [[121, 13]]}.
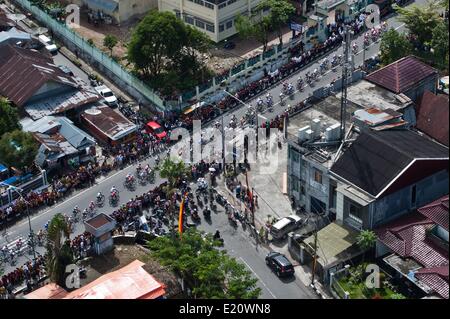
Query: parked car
{"points": [[66, 70], [49, 45], [154, 128], [284, 226], [279, 264], [107, 94]]}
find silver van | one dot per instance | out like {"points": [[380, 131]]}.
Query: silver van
{"points": [[284, 226]]}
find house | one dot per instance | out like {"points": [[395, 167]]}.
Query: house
{"points": [[432, 112], [385, 174], [313, 143], [368, 95], [62, 143], [121, 10], [215, 18], [108, 126], [38, 87], [415, 247], [129, 282], [408, 76]]}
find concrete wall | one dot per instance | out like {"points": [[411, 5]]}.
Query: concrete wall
{"points": [[429, 84], [395, 205]]}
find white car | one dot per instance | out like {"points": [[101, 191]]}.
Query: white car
{"points": [[107, 94], [285, 225], [49, 45]]}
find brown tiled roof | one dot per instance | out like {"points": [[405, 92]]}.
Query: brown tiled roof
{"points": [[437, 211], [407, 237], [402, 74], [432, 113], [23, 72]]}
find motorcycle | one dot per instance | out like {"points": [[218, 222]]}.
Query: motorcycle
{"points": [[100, 200], [114, 199]]}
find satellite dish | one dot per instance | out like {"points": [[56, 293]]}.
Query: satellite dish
{"points": [[39, 31], [16, 17], [93, 111]]}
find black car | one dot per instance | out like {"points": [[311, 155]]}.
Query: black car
{"points": [[279, 264]]}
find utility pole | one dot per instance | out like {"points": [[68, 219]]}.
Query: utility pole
{"points": [[314, 258]]}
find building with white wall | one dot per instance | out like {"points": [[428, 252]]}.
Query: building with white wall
{"points": [[216, 18]]}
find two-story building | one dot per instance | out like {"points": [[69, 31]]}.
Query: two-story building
{"points": [[216, 18], [385, 174]]}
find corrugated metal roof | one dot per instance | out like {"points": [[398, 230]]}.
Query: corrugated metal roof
{"points": [[111, 123], [13, 33], [43, 125], [23, 72], [73, 134], [432, 112], [401, 75]]}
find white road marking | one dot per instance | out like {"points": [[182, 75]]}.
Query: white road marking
{"points": [[258, 277]]}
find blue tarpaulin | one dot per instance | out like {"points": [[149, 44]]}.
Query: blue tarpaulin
{"points": [[3, 168]]}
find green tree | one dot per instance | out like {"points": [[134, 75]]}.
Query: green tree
{"points": [[394, 46], [172, 171], [366, 240], [59, 254], [420, 20], [109, 42], [90, 42], [439, 43], [18, 149], [210, 272], [149, 47], [280, 12], [256, 27], [9, 119]]}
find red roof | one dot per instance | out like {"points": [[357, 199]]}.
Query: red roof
{"points": [[407, 237], [437, 211], [401, 75], [432, 113]]}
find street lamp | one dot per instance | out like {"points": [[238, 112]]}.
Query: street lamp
{"points": [[19, 192], [256, 116]]}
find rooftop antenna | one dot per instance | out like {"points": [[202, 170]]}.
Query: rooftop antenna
{"points": [[346, 67]]}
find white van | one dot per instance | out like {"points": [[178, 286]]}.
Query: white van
{"points": [[284, 226], [49, 45]]}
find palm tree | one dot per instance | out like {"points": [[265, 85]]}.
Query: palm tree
{"points": [[59, 254], [173, 171], [366, 240]]}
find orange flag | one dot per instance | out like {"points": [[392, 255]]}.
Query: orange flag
{"points": [[180, 217]]}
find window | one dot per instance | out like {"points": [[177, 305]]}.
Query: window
{"points": [[231, 2], [200, 24], [221, 28], [210, 27], [222, 5], [178, 14], [200, 2], [209, 5], [229, 24], [355, 212], [317, 176], [302, 188], [413, 196], [189, 20], [295, 184]]}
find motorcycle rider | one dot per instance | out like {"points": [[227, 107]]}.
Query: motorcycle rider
{"points": [[99, 196]]}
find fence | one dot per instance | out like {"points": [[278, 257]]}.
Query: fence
{"points": [[68, 36]]}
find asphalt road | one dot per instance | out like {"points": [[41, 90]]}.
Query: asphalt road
{"points": [[238, 244]]}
